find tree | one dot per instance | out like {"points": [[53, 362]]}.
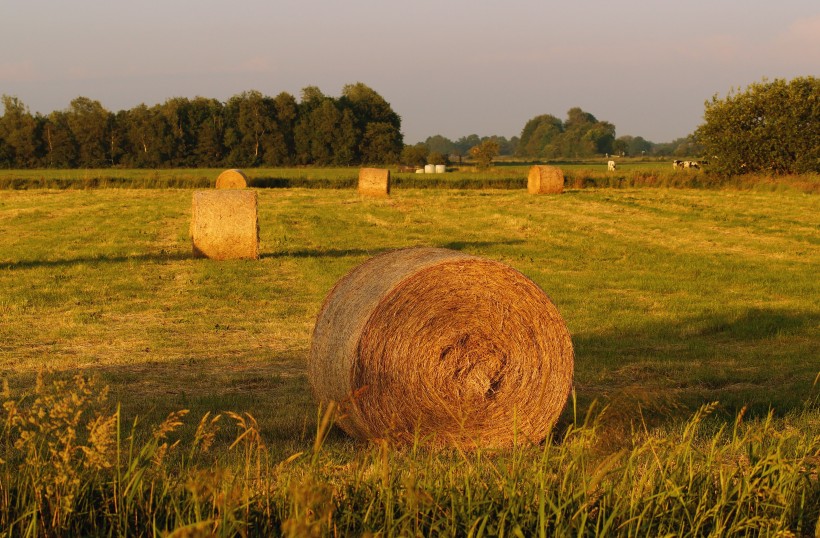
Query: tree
{"points": [[379, 126], [379, 143], [18, 132], [440, 144], [89, 123], [148, 137], [484, 152], [61, 148], [770, 127], [414, 155]]}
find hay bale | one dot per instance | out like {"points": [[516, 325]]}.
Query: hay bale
{"points": [[374, 181], [232, 179], [463, 350], [545, 180], [224, 225]]}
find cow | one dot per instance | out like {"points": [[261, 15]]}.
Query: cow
{"points": [[610, 166], [677, 164]]}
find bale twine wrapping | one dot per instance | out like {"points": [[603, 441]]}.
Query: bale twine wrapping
{"points": [[224, 225], [545, 180], [374, 181], [459, 349], [232, 179]]}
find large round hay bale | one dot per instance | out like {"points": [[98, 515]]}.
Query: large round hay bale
{"points": [[545, 180], [374, 181], [232, 179], [225, 225], [458, 349]]}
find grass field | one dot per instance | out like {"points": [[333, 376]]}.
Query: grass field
{"points": [[504, 175], [674, 298]]}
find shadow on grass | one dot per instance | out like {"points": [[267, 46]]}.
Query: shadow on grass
{"points": [[92, 260], [342, 253], [177, 256], [759, 360]]}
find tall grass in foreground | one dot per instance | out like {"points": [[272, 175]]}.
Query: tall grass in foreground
{"points": [[69, 466]]}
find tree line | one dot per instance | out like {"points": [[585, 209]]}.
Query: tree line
{"points": [[250, 129], [770, 127]]}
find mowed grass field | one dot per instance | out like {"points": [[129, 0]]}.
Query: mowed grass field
{"points": [[674, 298]]}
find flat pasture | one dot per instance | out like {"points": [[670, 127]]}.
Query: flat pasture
{"points": [[694, 316], [674, 298]]}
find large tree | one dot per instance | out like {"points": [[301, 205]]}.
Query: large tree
{"points": [[18, 134], [580, 135], [90, 124], [378, 125], [770, 127]]}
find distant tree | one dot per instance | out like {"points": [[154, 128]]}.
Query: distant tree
{"points": [[415, 155], [580, 135], [18, 133], [60, 146], [769, 127], [89, 124], [538, 133], [287, 111], [484, 153], [435, 157], [440, 144], [465, 143], [379, 126], [148, 137], [379, 143], [208, 125]]}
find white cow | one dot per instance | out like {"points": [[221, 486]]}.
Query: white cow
{"points": [[677, 164], [610, 166]]}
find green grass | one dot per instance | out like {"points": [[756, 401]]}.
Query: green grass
{"points": [[504, 175], [675, 298]]}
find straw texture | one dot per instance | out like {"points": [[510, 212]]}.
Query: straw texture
{"points": [[224, 224], [374, 182], [545, 180], [459, 349], [232, 179]]}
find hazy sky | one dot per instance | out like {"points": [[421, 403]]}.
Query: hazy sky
{"points": [[450, 67]]}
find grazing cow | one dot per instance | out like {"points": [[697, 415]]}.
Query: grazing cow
{"points": [[691, 164], [610, 166], [677, 164]]}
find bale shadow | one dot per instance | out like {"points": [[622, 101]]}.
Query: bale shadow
{"points": [[343, 253], [147, 257], [753, 361]]}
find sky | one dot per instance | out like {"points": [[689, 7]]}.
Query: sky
{"points": [[448, 67]]}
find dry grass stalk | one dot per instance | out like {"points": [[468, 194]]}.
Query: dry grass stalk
{"points": [[545, 180], [224, 225], [374, 182], [463, 350], [232, 179]]}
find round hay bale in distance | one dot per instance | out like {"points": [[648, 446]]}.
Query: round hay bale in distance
{"points": [[545, 180], [225, 224], [458, 349], [374, 181], [232, 179]]}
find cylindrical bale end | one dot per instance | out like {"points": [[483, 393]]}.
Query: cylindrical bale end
{"points": [[545, 180], [225, 225], [374, 182], [434, 343], [232, 179]]}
